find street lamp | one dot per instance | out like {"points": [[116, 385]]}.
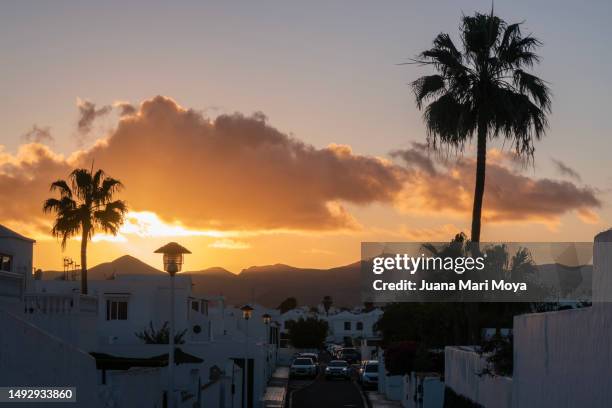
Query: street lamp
{"points": [[266, 318], [173, 262], [247, 312]]}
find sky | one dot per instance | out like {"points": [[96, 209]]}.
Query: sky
{"points": [[261, 132]]}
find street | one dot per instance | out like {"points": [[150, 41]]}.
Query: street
{"points": [[322, 393]]}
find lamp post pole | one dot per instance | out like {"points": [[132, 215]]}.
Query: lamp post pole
{"points": [[173, 262], [246, 315], [171, 398], [246, 366]]}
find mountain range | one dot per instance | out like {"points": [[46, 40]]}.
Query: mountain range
{"points": [[267, 285]]}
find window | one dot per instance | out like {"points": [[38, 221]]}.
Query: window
{"points": [[116, 309], [195, 306], [347, 325], [359, 326], [6, 262], [204, 307]]}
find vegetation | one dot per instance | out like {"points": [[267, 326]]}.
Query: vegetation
{"points": [[429, 324], [152, 336], [483, 90], [499, 354], [85, 206], [288, 304], [400, 357], [307, 333]]}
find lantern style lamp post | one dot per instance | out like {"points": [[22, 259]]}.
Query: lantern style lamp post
{"points": [[247, 312], [173, 262]]}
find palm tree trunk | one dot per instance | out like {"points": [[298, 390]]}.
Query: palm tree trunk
{"points": [[481, 165], [84, 238], [472, 308]]}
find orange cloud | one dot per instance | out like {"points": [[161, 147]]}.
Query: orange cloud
{"points": [[236, 175], [436, 184], [233, 173]]}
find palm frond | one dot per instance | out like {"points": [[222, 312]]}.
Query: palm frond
{"points": [[81, 181], [62, 187], [519, 52], [426, 87], [111, 217], [107, 189], [534, 86], [449, 121], [480, 33]]}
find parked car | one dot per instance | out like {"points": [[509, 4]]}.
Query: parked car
{"points": [[338, 369], [303, 367], [313, 356], [368, 374], [350, 355]]}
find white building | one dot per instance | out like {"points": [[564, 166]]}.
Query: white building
{"points": [[15, 264], [345, 327], [213, 332], [29, 354], [53, 336]]}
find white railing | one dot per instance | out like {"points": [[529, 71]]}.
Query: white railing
{"points": [[59, 304]]}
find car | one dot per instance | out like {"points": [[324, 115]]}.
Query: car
{"points": [[338, 369], [351, 355], [313, 356], [368, 374], [303, 367]]}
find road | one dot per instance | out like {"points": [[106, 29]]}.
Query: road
{"points": [[321, 393]]}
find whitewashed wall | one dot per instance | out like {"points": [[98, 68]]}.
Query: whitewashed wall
{"points": [[461, 374], [432, 392], [30, 356], [137, 387], [564, 359]]}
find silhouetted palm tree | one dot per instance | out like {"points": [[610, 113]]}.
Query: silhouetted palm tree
{"points": [[327, 303], [483, 89], [85, 205]]}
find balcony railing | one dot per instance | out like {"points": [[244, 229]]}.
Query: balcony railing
{"points": [[60, 304]]}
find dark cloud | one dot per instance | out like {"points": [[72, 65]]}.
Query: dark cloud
{"points": [[88, 114], [565, 170], [417, 156], [125, 108], [38, 135], [441, 185]]}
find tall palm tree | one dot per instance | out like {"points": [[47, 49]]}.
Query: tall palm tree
{"points": [[483, 89], [85, 205]]}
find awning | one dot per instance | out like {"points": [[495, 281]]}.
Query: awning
{"points": [[109, 362]]}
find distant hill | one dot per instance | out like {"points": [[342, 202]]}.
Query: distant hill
{"points": [[267, 285], [125, 265]]}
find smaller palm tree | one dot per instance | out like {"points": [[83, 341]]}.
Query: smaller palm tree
{"points": [[327, 303], [85, 205], [151, 335]]}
